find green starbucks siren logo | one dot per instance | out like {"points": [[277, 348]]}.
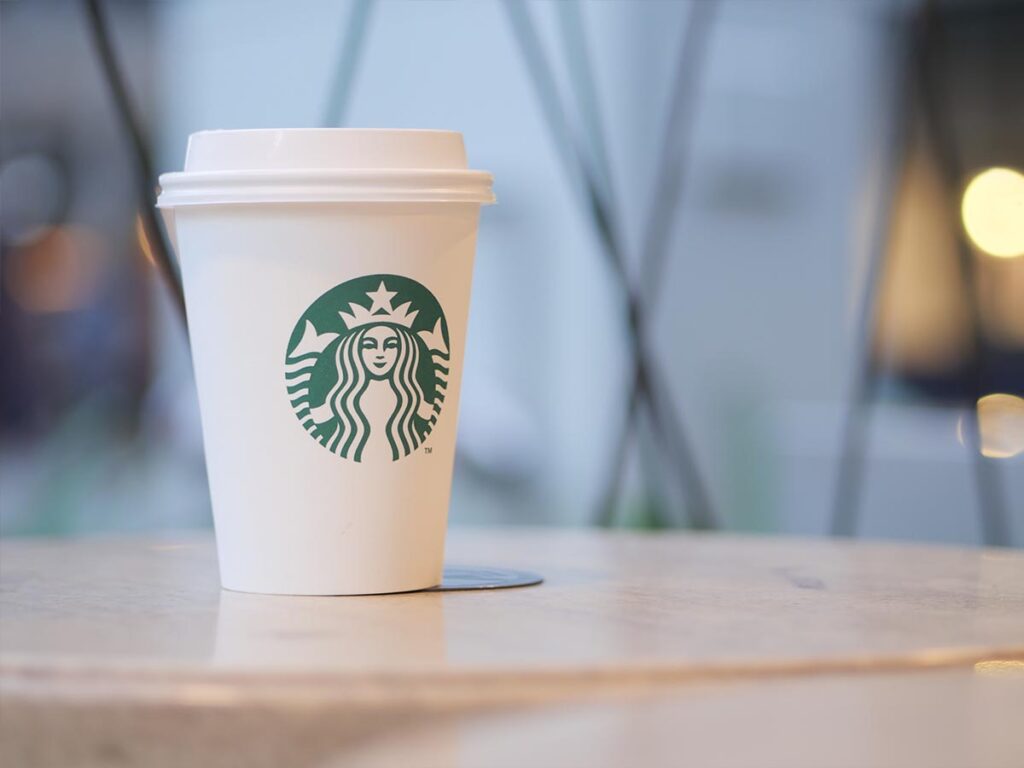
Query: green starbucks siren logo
{"points": [[367, 367]]}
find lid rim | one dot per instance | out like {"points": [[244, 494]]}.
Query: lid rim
{"points": [[219, 187], [326, 200]]}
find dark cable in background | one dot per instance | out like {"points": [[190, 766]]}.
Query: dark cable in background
{"points": [[933, 73], [923, 69], [142, 163], [349, 55], [866, 374], [666, 420]]}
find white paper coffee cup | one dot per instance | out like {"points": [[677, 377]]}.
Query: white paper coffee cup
{"points": [[327, 280]]}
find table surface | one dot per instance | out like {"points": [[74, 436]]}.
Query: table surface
{"points": [[769, 633]]}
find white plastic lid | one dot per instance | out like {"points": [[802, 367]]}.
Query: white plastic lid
{"points": [[324, 165]]}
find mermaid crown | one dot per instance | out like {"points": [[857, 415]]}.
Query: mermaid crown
{"points": [[379, 311]]}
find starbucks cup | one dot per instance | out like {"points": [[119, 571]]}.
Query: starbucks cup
{"points": [[327, 279]]}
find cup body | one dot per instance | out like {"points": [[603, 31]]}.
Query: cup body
{"points": [[328, 385]]}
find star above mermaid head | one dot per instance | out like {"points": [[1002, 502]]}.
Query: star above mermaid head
{"points": [[380, 311], [381, 299]]}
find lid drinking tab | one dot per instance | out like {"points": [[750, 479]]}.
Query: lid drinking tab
{"points": [[321, 148]]}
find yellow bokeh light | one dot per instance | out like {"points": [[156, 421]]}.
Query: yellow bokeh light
{"points": [[993, 212], [1001, 424], [1000, 667]]}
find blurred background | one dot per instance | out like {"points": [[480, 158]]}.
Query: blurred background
{"points": [[805, 219]]}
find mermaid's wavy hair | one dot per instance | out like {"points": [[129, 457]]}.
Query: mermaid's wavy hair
{"points": [[345, 397]]}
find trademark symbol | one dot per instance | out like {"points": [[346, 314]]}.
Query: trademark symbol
{"points": [[428, 449]]}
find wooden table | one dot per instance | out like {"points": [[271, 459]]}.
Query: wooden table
{"points": [[658, 649]]}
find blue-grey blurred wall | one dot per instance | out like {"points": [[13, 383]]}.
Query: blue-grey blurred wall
{"points": [[754, 325]]}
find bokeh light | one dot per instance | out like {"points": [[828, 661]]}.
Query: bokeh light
{"points": [[1000, 667], [1001, 424], [60, 271], [140, 236], [993, 212]]}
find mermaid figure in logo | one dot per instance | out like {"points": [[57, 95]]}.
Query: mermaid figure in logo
{"points": [[377, 365], [378, 353]]}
